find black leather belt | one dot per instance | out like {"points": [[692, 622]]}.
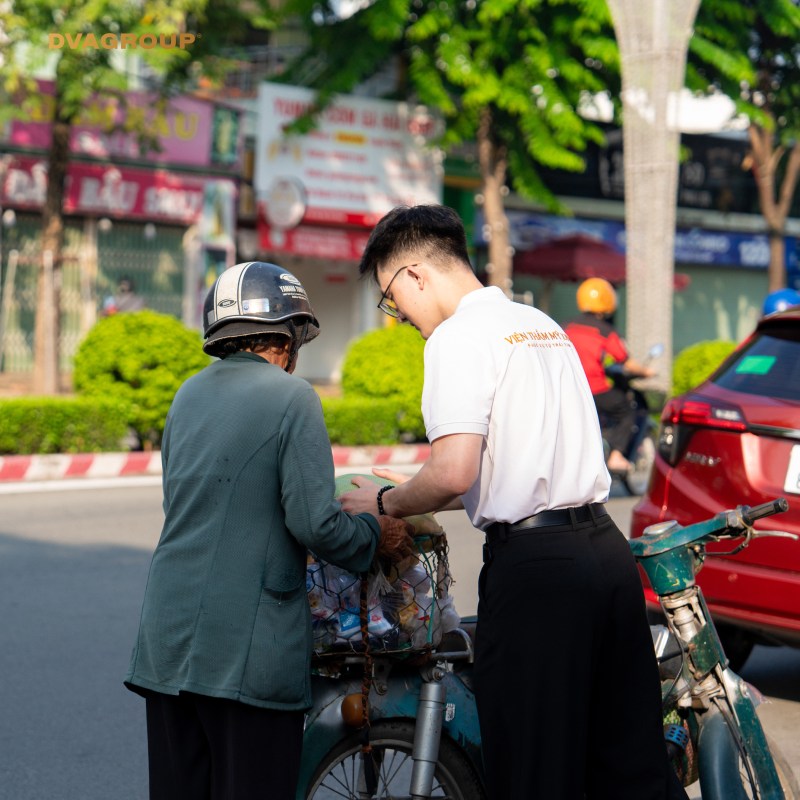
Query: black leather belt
{"points": [[546, 519]]}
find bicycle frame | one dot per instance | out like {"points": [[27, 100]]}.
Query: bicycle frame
{"points": [[721, 701], [432, 694]]}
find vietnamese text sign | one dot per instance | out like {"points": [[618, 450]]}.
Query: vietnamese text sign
{"points": [[692, 245], [124, 192], [365, 157], [189, 131]]}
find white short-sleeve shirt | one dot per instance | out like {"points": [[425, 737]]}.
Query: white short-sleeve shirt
{"points": [[508, 372]]}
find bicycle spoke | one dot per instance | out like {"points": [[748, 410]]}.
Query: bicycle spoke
{"points": [[346, 790], [391, 774], [345, 778]]}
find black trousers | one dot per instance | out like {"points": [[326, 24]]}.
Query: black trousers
{"points": [[618, 417], [208, 748], [566, 680]]}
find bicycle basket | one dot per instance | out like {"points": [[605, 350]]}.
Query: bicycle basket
{"points": [[408, 605]]}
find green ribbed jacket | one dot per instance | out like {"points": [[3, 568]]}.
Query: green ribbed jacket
{"points": [[248, 487]]}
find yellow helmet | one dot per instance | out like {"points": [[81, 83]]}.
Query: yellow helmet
{"points": [[597, 296]]}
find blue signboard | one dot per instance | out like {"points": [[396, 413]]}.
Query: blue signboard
{"points": [[692, 245], [792, 263]]}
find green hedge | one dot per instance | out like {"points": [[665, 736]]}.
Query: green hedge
{"points": [[142, 357], [32, 425], [695, 363], [361, 420], [387, 365]]}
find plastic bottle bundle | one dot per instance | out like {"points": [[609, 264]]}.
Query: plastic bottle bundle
{"points": [[322, 621], [408, 608], [334, 596]]}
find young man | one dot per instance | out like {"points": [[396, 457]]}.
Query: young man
{"points": [[566, 680], [595, 338], [224, 644]]}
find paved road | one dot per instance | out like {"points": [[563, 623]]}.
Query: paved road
{"points": [[73, 564]]}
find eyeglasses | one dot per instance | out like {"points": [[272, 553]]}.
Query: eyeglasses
{"points": [[389, 306]]}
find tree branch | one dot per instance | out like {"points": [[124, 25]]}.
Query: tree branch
{"points": [[789, 181], [764, 173]]}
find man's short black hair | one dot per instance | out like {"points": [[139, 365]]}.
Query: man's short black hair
{"points": [[432, 232]]}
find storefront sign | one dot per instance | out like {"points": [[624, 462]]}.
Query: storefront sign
{"points": [[100, 190], [313, 241], [692, 245], [188, 132], [365, 157], [792, 263]]}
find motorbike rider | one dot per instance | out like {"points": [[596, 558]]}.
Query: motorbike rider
{"points": [[223, 652], [596, 340], [780, 300]]}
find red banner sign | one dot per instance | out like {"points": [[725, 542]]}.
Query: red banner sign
{"points": [[312, 241], [110, 191]]}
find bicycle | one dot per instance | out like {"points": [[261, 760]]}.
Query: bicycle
{"points": [[716, 709], [424, 740]]}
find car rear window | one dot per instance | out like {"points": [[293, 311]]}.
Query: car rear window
{"points": [[769, 366]]}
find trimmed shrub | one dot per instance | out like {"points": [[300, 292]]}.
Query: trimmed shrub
{"points": [[141, 357], [695, 363], [62, 424], [388, 364], [360, 420]]}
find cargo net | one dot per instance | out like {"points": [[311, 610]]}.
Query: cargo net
{"points": [[409, 605]]}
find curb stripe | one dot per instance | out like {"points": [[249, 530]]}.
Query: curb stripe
{"points": [[79, 465], [110, 465], [14, 468]]}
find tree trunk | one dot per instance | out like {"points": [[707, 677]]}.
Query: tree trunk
{"points": [[48, 290], [493, 165], [774, 200]]}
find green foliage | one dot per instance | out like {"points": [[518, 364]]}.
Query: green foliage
{"points": [[387, 364], [694, 364], [62, 424], [83, 71], [142, 358], [528, 64], [361, 420], [750, 51]]}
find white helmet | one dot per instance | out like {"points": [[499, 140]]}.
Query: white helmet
{"points": [[257, 297]]}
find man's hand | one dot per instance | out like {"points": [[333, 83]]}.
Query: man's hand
{"points": [[364, 499], [396, 543], [391, 475]]}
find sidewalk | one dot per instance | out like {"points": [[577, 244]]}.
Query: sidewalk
{"points": [[112, 465]]}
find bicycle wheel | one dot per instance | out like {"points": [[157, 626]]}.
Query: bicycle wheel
{"points": [[340, 776], [724, 775], [785, 775], [791, 790]]}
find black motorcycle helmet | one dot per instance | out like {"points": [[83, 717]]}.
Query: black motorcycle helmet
{"points": [[257, 297]]}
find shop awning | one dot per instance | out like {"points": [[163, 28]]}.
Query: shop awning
{"points": [[575, 258]]}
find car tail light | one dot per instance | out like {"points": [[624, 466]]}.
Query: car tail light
{"points": [[682, 416]]}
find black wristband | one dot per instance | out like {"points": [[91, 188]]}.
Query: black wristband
{"points": [[381, 509]]}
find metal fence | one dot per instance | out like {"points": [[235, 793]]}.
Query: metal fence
{"points": [[96, 257]]}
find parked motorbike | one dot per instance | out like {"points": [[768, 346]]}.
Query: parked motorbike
{"points": [[641, 450], [423, 739]]}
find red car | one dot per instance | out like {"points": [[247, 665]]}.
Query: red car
{"points": [[733, 440]]}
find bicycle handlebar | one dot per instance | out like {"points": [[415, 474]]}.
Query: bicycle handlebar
{"points": [[764, 510], [666, 536]]}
